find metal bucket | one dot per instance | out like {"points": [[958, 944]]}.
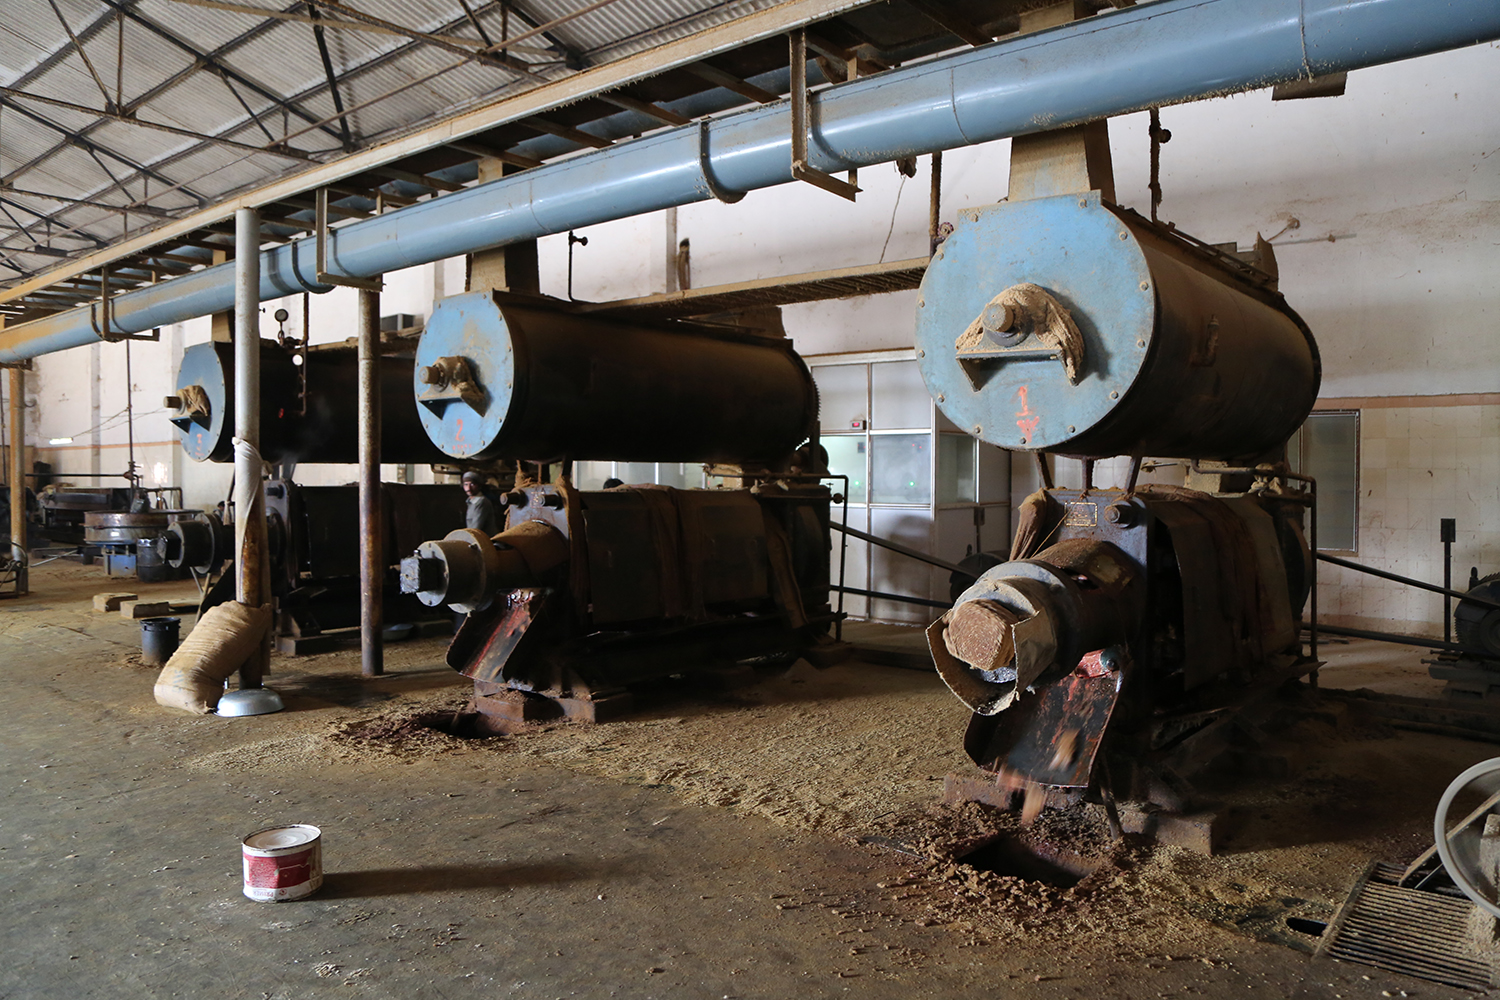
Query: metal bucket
{"points": [[283, 862], [159, 638]]}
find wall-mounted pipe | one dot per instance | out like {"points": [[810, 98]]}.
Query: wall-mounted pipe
{"points": [[1114, 63]]}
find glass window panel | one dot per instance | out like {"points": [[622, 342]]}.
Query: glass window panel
{"points": [[901, 468], [846, 457], [683, 475], [956, 481], [893, 573], [898, 396], [842, 394], [994, 474], [635, 473], [591, 475], [944, 424], [1329, 452]]}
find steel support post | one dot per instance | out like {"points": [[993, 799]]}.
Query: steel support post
{"points": [[18, 553], [252, 583], [371, 535]]}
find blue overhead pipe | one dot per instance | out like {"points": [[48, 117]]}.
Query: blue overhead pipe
{"points": [[1144, 56]]}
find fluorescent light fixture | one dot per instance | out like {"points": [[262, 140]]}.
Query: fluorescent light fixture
{"points": [[59, 440]]}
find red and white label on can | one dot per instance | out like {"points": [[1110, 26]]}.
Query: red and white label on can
{"points": [[283, 862]]}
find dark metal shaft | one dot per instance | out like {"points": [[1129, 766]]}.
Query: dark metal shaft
{"points": [[1434, 588], [1396, 637], [897, 547], [253, 569], [18, 553], [371, 540], [879, 595]]}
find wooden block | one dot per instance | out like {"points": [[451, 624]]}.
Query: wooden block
{"points": [[111, 602], [144, 609]]}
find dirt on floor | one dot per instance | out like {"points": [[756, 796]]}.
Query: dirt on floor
{"points": [[854, 754]]}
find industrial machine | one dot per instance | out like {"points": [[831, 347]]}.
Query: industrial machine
{"points": [[127, 540], [1471, 668], [1109, 653], [312, 538], [308, 404], [586, 593]]}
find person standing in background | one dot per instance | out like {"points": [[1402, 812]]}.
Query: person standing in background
{"points": [[479, 512]]}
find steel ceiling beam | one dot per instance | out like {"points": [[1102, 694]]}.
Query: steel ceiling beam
{"points": [[214, 59], [81, 141], [758, 26], [1163, 53], [50, 61], [329, 22], [82, 54], [435, 41], [200, 60], [333, 81], [131, 119], [210, 60], [572, 57]]}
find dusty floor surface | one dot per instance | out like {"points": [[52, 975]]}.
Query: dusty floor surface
{"points": [[705, 848]]}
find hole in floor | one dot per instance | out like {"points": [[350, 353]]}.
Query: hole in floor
{"points": [[464, 725], [1302, 925], [1006, 856]]}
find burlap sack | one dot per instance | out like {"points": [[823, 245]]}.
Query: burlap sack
{"points": [[218, 645]]}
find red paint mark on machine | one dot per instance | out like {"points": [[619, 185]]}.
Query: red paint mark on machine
{"points": [[1027, 420]]}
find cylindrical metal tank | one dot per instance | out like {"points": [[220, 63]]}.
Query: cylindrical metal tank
{"points": [[327, 432], [1063, 324], [496, 378]]}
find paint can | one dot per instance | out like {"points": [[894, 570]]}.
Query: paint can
{"points": [[283, 862]]}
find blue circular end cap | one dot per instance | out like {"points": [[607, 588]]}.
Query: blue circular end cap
{"points": [[202, 435], [1014, 395], [464, 376]]}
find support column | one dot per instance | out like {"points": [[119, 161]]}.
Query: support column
{"points": [[371, 524], [252, 583], [18, 554]]}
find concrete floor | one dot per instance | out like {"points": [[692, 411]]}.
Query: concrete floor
{"points": [[585, 863]]}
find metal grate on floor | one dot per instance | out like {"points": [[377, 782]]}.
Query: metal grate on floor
{"points": [[1416, 933]]}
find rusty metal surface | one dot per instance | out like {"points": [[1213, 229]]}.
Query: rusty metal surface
{"points": [[372, 560], [814, 286], [328, 430], [489, 639], [1052, 738], [640, 583], [553, 383], [1194, 591], [124, 527], [1177, 354], [632, 559]]}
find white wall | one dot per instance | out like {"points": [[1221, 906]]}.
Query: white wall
{"points": [[1403, 172]]}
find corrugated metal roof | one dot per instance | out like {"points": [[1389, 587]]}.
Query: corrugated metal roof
{"points": [[244, 86], [228, 71]]}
